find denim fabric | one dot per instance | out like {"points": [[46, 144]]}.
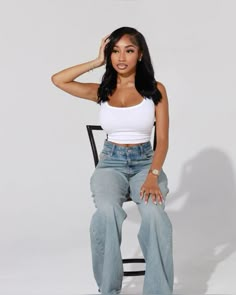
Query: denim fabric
{"points": [[120, 173]]}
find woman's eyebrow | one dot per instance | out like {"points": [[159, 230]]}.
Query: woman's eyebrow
{"points": [[131, 45]]}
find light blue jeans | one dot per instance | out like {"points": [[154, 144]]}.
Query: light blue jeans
{"points": [[120, 173]]}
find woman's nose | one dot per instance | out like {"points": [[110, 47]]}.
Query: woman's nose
{"points": [[122, 56]]}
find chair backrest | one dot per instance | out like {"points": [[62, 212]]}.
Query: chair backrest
{"points": [[91, 128]]}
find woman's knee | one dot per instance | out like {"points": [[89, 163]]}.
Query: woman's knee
{"points": [[154, 214], [150, 210]]}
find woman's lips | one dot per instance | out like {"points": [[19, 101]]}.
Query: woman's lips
{"points": [[122, 66]]}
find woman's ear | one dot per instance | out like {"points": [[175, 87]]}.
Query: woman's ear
{"points": [[140, 57]]}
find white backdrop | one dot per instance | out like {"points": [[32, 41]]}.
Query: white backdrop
{"points": [[46, 162]]}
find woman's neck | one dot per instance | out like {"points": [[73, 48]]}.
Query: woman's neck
{"points": [[125, 81]]}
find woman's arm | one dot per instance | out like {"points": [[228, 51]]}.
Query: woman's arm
{"points": [[150, 186], [162, 130], [65, 78]]}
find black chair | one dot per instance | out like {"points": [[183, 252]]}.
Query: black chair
{"points": [[90, 129]]}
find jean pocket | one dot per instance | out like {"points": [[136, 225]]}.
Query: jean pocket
{"points": [[149, 154], [103, 156]]}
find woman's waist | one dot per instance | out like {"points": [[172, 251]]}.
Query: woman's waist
{"points": [[138, 148], [127, 144]]}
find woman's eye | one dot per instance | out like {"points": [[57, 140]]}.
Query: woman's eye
{"points": [[130, 51], [115, 51]]}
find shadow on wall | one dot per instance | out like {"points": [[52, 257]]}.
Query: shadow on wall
{"points": [[202, 211]]}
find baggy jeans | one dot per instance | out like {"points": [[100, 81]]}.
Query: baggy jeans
{"points": [[120, 173]]}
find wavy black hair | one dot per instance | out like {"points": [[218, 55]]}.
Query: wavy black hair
{"points": [[145, 82]]}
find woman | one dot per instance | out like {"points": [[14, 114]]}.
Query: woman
{"points": [[131, 100]]}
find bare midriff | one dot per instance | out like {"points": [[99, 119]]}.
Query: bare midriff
{"points": [[126, 144]]}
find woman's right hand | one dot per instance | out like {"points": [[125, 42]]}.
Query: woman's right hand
{"points": [[101, 55]]}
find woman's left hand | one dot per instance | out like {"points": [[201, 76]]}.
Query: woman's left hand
{"points": [[151, 189]]}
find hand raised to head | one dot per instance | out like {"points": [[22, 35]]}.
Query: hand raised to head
{"points": [[101, 55]]}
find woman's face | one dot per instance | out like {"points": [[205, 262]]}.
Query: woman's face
{"points": [[125, 55]]}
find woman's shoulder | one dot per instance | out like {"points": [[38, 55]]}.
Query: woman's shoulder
{"points": [[161, 87]]}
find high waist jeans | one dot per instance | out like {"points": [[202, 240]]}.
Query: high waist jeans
{"points": [[120, 173]]}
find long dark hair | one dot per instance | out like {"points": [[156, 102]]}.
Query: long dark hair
{"points": [[145, 82]]}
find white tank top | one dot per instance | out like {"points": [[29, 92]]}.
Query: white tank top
{"points": [[128, 124]]}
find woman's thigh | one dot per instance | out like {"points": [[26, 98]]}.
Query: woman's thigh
{"points": [[108, 186]]}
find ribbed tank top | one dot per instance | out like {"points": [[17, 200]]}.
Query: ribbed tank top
{"points": [[128, 124]]}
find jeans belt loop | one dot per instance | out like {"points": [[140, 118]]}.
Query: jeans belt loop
{"points": [[113, 149], [141, 149]]}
